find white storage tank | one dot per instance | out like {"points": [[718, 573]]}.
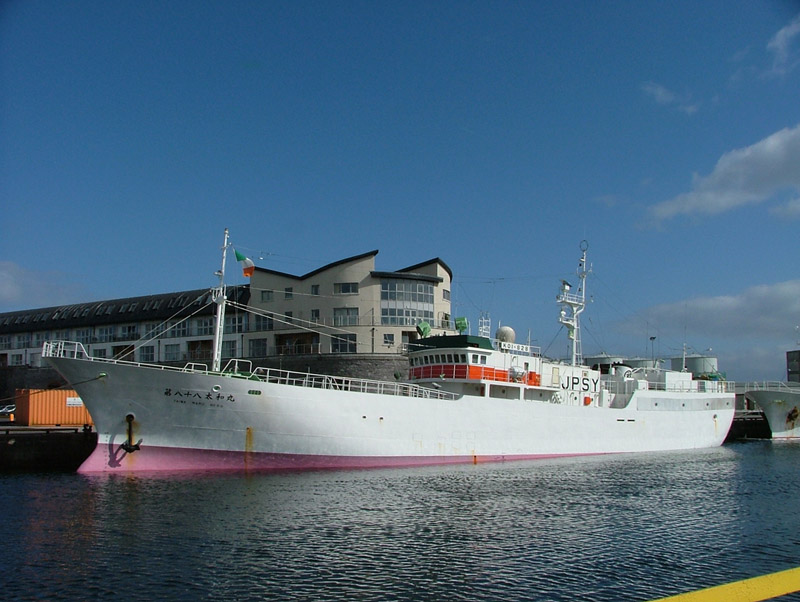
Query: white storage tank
{"points": [[696, 364], [643, 362]]}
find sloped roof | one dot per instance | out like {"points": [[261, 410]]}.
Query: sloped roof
{"points": [[117, 311], [318, 270]]}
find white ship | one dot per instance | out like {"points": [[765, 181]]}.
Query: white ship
{"points": [[467, 399], [780, 402]]}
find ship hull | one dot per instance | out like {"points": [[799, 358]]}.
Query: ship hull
{"points": [[781, 409], [151, 418]]}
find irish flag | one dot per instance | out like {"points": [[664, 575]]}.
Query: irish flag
{"points": [[248, 267]]}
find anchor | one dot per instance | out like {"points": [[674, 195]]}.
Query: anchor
{"points": [[129, 446]]}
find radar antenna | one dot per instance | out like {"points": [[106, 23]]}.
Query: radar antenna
{"points": [[572, 304]]}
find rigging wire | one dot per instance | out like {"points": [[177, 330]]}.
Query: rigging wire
{"points": [[69, 386], [142, 341]]}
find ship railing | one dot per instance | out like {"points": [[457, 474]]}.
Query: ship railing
{"points": [[349, 384], [68, 349], [195, 367], [239, 366], [773, 386], [692, 386], [75, 350]]}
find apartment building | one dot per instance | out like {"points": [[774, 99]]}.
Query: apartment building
{"points": [[346, 307], [164, 328]]}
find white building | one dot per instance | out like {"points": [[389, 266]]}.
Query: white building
{"points": [[347, 307], [344, 307]]}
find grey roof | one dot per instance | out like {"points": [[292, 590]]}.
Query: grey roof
{"points": [[116, 311], [318, 270]]}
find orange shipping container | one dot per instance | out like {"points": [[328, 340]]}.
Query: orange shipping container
{"points": [[42, 407]]}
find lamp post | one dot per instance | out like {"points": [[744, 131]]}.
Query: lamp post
{"points": [[652, 351]]}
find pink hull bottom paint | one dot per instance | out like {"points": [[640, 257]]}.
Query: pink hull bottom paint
{"points": [[113, 459]]}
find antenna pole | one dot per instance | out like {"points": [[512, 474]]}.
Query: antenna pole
{"points": [[218, 296], [572, 304]]}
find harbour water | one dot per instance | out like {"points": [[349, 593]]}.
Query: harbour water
{"points": [[609, 528]]}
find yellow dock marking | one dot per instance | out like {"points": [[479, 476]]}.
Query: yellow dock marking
{"points": [[765, 587]]}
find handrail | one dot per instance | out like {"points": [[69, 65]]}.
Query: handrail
{"points": [[773, 385], [690, 386], [74, 350]]}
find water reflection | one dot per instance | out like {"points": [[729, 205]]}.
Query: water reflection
{"points": [[602, 528]]}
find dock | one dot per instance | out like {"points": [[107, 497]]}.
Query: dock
{"points": [[44, 448]]}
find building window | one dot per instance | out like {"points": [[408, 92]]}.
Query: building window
{"points": [[5, 342], [228, 349], [388, 339], [16, 359], [205, 326], [130, 332], [262, 323], [235, 323], [153, 330], [287, 317], [315, 316], [446, 294], [179, 329], [345, 288], [266, 296], [147, 353], [288, 293], [105, 334], [343, 343], [84, 335], [345, 316], [315, 289], [258, 348], [23, 341], [38, 339], [99, 352], [406, 302], [172, 353]]}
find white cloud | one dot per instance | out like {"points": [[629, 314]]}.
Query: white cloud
{"points": [[668, 98], [761, 312], [790, 210], [659, 93], [743, 176], [749, 332], [754, 363], [781, 46], [25, 289]]}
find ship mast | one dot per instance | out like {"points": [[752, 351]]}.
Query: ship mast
{"points": [[218, 296], [572, 304]]}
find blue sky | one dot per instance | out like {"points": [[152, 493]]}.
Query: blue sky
{"points": [[494, 135]]}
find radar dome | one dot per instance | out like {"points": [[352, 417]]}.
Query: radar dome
{"points": [[505, 334]]}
